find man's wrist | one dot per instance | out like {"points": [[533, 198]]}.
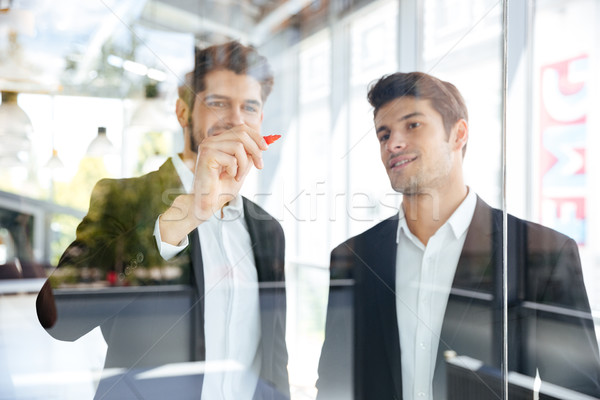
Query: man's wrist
{"points": [[179, 220], [173, 231]]}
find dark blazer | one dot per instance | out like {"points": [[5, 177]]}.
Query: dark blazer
{"points": [[550, 327], [154, 318]]}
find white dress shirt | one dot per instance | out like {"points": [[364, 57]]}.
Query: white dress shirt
{"points": [[424, 276], [231, 311]]}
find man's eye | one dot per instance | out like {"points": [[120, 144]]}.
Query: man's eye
{"points": [[384, 137], [216, 104], [251, 109], [414, 125]]}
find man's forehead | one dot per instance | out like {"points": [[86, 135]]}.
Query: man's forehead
{"points": [[226, 80], [401, 106]]}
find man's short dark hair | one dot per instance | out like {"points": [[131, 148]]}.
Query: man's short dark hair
{"points": [[232, 56], [444, 96]]}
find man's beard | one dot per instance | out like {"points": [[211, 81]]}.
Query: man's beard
{"points": [[423, 182], [408, 188], [194, 143]]}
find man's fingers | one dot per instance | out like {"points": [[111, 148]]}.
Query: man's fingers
{"points": [[253, 142], [243, 162], [219, 162], [224, 160], [233, 148], [253, 134], [250, 138], [243, 172]]}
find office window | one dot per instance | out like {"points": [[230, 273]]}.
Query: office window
{"points": [[373, 36], [470, 57], [564, 96]]}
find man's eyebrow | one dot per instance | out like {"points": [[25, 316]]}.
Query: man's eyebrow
{"points": [[381, 128], [413, 114], [403, 118], [255, 102], [215, 97]]}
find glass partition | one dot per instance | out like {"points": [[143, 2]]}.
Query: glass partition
{"points": [[372, 257]]}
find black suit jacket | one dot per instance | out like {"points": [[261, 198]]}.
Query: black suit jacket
{"points": [[161, 319], [361, 354]]}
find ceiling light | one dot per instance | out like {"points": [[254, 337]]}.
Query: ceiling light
{"points": [[114, 61], [135, 67], [15, 127], [54, 162], [101, 145], [156, 74]]}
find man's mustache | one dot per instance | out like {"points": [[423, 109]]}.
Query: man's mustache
{"points": [[218, 129]]}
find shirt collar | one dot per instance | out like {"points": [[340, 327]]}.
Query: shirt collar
{"points": [[234, 209], [459, 221], [403, 227]]}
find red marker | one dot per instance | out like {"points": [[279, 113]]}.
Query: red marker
{"points": [[271, 138]]}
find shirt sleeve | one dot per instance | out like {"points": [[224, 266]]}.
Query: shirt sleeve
{"points": [[166, 250]]}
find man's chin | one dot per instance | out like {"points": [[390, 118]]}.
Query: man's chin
{"points": [[406, 189]]}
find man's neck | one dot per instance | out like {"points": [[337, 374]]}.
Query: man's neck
{"points": [[425, 213]]}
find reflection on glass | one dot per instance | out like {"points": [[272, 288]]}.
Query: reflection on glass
{"points": [[17, 259], [321, 181]]}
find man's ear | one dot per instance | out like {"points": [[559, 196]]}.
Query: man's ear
{"points": [[461, 134], [182, 109]]}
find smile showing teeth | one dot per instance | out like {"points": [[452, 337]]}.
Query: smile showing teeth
{"points": [[402, 162]]}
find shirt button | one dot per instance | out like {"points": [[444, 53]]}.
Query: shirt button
{"points": [[422, 345], [421, 394]]}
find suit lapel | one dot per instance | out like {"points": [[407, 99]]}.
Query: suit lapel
{"points": [[199, 340], [258, 236], [475, 272], [268, 247], [382, 265]]}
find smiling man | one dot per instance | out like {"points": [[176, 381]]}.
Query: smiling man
{"points": [[186, 229], [427, 282]]}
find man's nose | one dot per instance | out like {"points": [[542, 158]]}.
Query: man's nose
{"points": [[396, 142], [234, 116]]}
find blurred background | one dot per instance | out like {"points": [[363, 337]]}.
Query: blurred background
{"points": [[89, 89]]}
